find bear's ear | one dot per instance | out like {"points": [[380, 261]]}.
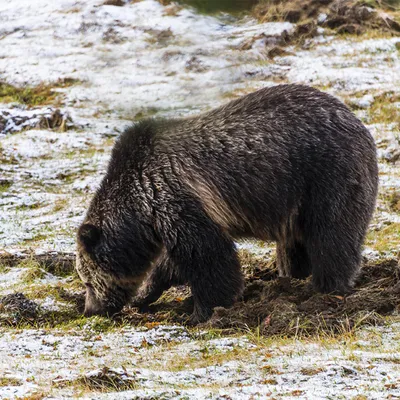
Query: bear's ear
{"points": [[88, 236]]}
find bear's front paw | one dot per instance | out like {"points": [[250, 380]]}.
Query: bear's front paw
{"points": [[141, 304]]}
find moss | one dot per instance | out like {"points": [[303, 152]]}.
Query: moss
{"points": [[36, 238], [206, 356], [27, 207], [93, 325]]}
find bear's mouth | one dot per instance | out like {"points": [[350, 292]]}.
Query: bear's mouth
{"points": [[112, 303]]}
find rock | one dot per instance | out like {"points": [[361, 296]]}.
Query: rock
{"points": [[322, 18]]}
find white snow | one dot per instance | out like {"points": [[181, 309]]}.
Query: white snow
{"points": [[134, 61]]}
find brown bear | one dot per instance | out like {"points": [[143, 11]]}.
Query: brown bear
{"points": [[287, 163]]}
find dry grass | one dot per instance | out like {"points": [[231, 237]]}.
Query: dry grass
{"points": [[42, 94], [385, 239], [385, 109]]}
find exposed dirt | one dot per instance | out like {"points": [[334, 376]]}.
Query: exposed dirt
{"points": [[291, 307], [277, 306], [282, 306], [19, 306]]}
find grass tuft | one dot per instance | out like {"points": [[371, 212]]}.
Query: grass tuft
{"points": [[42, 94]]}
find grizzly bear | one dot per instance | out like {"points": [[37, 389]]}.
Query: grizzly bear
{"points": [[288, 164]]}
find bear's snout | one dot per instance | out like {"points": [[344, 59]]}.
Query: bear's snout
{"points": [[93, 306]]}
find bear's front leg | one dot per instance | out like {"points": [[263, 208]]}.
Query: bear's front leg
{"points": [[162, 276], [206, 258]]}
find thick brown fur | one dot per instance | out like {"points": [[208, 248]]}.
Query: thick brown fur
{"points": [[287, 163]]}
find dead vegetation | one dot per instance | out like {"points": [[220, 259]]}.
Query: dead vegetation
{"points": [[56, 263], [42, 94], [290, 307], [271, 305], [104, 380], [310, 16], [343, 16]]}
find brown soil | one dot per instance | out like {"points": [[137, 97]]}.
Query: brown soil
{"points": [[276, 306], [283, 306]]}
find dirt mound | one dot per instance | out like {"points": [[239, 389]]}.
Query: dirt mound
{"points": [[283, 306], [17, 305], [343, 16]]}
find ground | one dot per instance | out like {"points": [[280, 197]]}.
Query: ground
{"points": [[73, 74]]}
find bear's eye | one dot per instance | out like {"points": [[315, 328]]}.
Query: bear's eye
{"points": [[89, 235]]}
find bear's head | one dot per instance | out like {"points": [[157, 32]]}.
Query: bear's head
{"points": [[113, 258]]}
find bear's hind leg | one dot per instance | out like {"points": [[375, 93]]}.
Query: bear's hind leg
{"points": [[293, 260], [335, 260]]}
